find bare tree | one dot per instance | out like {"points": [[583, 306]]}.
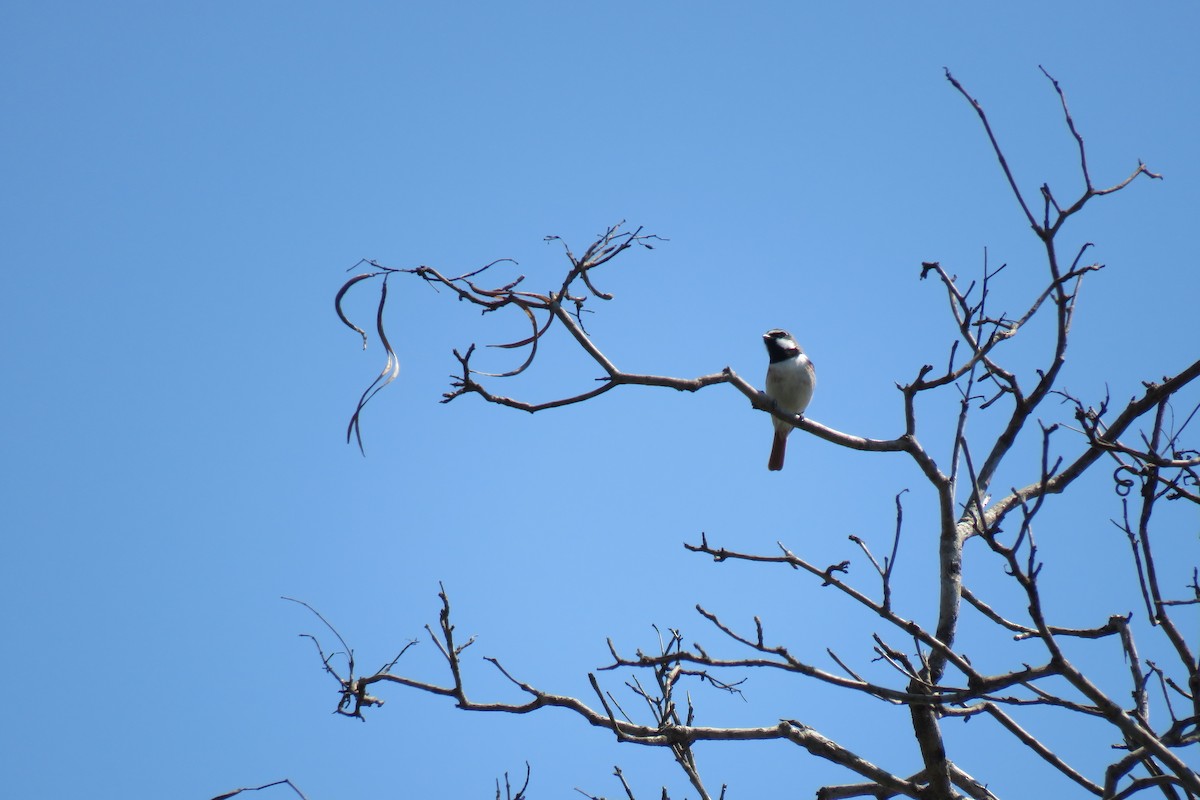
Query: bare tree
{"points": [[931, 675]]}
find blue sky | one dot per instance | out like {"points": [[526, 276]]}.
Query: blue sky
{"points": [[184, 187]]}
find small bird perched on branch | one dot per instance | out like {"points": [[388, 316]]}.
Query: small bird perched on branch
{"points": [[790, 383]]}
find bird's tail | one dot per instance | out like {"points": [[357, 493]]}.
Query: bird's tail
{"points": [[778, 448]]}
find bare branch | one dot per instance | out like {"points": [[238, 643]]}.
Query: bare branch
{"points": [[1047, 755], [285, 782], [987, 126]]}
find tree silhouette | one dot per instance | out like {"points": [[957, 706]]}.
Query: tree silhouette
{"points": [[928, 672]]}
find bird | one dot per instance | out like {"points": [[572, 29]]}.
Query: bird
{"points": [[790, 383]]}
